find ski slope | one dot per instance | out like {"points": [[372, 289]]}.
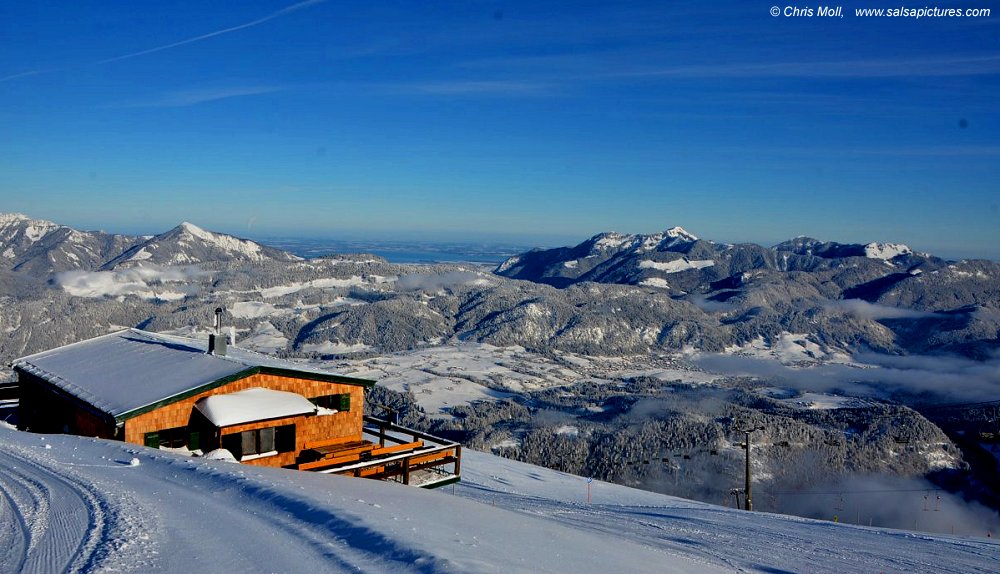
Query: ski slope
{"points": [[79, 505]]}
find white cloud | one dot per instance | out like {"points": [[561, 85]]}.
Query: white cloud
{"points": [[865, 310], [439, 281], [147, 282], [951, 378]]}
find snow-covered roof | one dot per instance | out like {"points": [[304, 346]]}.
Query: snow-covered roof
{"points": [[128, 372], [252, 405]]}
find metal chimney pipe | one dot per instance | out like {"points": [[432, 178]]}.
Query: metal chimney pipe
{"points": [[217, 341]]}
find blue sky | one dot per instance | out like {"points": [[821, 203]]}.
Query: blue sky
{"points": [[544, 122]]}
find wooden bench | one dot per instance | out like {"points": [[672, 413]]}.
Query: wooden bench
{"points": [[312, 444], [355, 454], [397, 448], [334, 451]]}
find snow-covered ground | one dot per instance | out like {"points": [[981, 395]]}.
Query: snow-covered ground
{"points": [[77, 504], [677, 265], [789, 349], [815, 401], [443, 376], [448, 375]]}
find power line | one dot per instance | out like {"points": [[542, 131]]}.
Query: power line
{"points": [[882, 491]]}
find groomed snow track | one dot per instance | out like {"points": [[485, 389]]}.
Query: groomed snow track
{"points": [[71, 504], [50, 521]]}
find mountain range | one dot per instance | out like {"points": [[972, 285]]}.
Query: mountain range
{"points": [[572, 356], [615, 293], [40, 248], [879, 296]]}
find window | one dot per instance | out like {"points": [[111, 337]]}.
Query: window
{"points": [[284, 438], [265, 440], [173, 438], [177, 437], [260, 441], [341, 402], [248, 443], [232, 443]]}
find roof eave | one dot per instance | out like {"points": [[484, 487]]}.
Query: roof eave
{"points": [[311, 376], [331, 378], [47, 378]]}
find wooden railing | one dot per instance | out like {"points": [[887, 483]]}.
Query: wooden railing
{"points": [[400, 454]]}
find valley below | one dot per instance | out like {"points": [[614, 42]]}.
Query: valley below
{"points": [[868, 375]]}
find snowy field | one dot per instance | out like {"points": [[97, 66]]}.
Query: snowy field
{"points": [[80, 505], [447, 375]]}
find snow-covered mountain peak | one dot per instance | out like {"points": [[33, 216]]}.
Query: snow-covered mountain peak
{"points": [[20, 218], [678, 232], [802, 241], [8, 218], [830, 249], [195, 230], [188, 244], [670, 238], [507, 264], [886, 250], [611, 240], [235, 245], [31, 229], [37, 246]]}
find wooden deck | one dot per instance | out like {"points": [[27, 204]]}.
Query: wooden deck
{"points": [[387, 452]]}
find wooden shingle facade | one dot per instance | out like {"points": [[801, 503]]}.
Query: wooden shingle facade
{"points": [[344, 423]]}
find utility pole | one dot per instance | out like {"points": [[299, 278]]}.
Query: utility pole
{"points": [[748, 493]]}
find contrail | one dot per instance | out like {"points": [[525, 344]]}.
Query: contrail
{"points": [[272, 16], [21, 75]]}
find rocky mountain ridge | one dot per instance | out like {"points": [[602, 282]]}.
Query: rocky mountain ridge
{"points": [[661, 260], [879, 296], [613, 295], [188, 244], [40, 248]]}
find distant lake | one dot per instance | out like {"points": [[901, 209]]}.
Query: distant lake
{"points": [[400, 251]]}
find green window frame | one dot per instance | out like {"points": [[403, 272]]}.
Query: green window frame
{"points": [[340, 402], [177, 437]]}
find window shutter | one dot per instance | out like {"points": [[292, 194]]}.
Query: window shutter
{"points": [[345, 403], [249, 442], [266, 439], [152, 440], [194, 440]]}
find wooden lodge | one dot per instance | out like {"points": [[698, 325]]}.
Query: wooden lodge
{"points": [[198, 396]]}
